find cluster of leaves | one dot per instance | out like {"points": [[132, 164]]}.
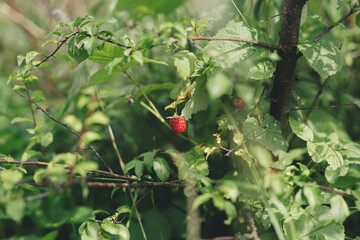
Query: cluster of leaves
{"points": [[296, 187]]}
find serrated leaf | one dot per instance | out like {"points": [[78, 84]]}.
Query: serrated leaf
{"points": [[323, 152], [218, 85], [269, 134], [323, 57], [161, 168], [185, 63], [230, 53], [314, 224], [301, 130], [199, 100]]}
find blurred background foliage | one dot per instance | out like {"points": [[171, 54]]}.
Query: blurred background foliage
{"points": [[23, 25]]}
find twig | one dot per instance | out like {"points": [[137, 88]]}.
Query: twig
{"points": [[61, 42], [66, 126], [261, 44], [334, 191], [135, 205], [134, 185], [277, 15], [327, 29], [323, 107], [317, 97], [36, 197]]}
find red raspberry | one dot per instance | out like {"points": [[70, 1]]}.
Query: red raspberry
{"points": [[178, 124]]}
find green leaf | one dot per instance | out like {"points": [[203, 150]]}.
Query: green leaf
{"points": [[89, 44], [218, 85], [90, 231], [148, 60], [323, 57], [51, 236], [130, 165], [269, 134], [139, 169], [79, 54], [47, 139], [52, 41], [97, 117], [339, 208], [89, 137], [301, 130], [15, 209], [107, 54], [199, 100], [66, 58], [118, 230], [21, 119], [185, 63], [314, 224], [323, 152], [230, 53], [161, 168], [332, 175], [85, 166], [10, 178], [28, 154], [149, 159], [30, 56], [201, 199], [312, 194], [260, 153], [20, 59], [73, 122], [138, 56], [357, 20]]}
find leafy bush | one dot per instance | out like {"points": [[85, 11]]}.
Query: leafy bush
{"points": [[271, 146]]}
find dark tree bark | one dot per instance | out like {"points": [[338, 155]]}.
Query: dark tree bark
{"points": [[285, 68]]}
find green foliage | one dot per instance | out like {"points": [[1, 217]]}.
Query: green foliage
{"points": [[89, 130]]}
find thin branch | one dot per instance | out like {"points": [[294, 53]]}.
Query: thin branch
{"points": [[277, 15], [334, 191], [135, 185], [324, 107], [135, 205], [36, 197], [317, 97], [261, 44], [250, 219], [327, 29], [66, 126], [61, 42]]}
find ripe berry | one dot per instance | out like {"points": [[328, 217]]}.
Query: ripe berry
{"points": [[178, 124], [238, 102]]}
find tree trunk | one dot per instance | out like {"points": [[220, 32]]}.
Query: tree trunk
{"points": [[285, 68]]}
